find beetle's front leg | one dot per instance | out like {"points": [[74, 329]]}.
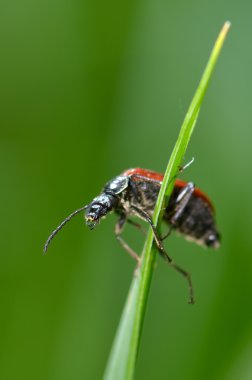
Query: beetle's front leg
{"points": [[118, 230]]}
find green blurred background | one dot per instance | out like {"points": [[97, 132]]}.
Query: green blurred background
{"points": [[88, 89]]}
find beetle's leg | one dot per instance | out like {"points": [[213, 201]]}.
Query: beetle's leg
{"points": [[168, 233], [184, 167], [181, 202], [118, 230], [137, 225], [144, 215]]}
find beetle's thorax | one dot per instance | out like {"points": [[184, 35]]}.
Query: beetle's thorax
{"points": [[140, 194]]}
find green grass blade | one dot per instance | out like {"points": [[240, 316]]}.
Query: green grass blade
{"points": [[121, 364]]}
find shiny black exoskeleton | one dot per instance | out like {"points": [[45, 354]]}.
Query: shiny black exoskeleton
{"points": [[130, 195], [107, 201], [134, 193]]}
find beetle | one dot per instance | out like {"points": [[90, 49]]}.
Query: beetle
{"points": [[134, 193]]}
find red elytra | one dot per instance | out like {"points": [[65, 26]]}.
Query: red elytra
{"points": [[159, 177]]}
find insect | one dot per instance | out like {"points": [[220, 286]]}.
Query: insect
{"points": [[134, 193]]}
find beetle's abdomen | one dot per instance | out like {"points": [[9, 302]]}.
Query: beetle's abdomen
{"points": [[196, 221]]}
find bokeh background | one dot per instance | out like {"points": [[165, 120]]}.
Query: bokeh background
{"points": [[88, 89]]}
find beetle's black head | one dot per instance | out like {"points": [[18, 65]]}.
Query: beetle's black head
{"points": [[105, 202], [99, 207]]}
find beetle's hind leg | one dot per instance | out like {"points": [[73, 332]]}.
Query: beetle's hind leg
{"points": [[144, 215], [180, 204]]}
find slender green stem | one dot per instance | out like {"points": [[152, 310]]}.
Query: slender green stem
{"points": [[121, 364]]}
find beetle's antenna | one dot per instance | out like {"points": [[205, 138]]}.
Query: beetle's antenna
{"points": [[62, 225]]}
